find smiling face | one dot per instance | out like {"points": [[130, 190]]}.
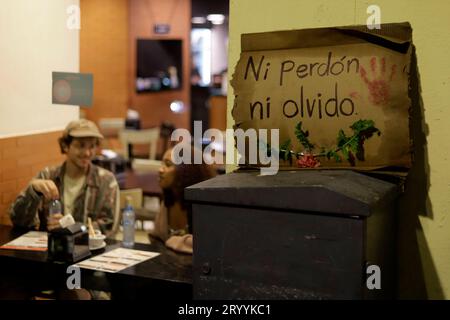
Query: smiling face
{"points": [[167, 171], [81, 151]]}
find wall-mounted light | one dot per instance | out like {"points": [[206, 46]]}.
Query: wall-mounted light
{"points": [[177, 106], [216, 18]]}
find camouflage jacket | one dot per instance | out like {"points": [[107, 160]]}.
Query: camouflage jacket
{"points": [[98, 199]]}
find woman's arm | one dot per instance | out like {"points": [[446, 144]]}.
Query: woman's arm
{"points": [[161, 229], [181, 243]]}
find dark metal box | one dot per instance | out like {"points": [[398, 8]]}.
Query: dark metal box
{"points": [[296, 235], [70, 244]]}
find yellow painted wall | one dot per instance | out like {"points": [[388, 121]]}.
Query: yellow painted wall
{"points": [[424, 228]]}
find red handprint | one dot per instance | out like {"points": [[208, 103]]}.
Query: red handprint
{"points": [[379, 86]]}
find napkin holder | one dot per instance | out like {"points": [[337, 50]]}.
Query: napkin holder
{"points": [[69, 244]]}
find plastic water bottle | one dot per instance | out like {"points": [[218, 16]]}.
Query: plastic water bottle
{"points": [[128, 219], [55, 207]]}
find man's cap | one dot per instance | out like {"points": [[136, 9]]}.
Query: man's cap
{"points": [[82, 129]]}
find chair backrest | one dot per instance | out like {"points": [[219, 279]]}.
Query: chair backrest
{"points": [[147, 136], [146, 165], [136, 196], [111, 126]]}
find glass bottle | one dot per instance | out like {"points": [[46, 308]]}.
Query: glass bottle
{"points": [[54, 207]]}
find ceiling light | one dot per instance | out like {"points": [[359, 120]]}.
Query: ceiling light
{"points": [[198, 20], [216, 18], [177, 106]]}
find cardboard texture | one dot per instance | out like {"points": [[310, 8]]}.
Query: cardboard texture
{"points": [[329, 78]]}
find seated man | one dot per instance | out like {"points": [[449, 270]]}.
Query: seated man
{"points": [[85, 190]]}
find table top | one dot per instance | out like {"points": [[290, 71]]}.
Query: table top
{"points": [[169, 266]]}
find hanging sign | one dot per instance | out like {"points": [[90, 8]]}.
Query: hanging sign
{"points": [[339, 96], [72, 88]]}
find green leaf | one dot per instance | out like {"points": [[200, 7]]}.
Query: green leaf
{"points": [[336, 157], [345, 152], [333, 154], [342, 138], [286, 145], [354, 145], [302, 137], [362, 125], [363, 129], [285, 149], [351, 147]]}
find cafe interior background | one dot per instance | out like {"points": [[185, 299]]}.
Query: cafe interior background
{"points": [[35, 41]]}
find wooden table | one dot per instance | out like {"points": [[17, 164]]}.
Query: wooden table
{"points": [[168, 275]]}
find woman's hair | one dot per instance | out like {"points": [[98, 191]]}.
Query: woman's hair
{"points": [[186, 175]]}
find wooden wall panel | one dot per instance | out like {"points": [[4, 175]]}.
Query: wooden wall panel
{"points": [[21, 158], [154, 107], [218, 112], [104, 53]]}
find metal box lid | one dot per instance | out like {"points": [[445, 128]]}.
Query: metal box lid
{"points": [[341, 192]]}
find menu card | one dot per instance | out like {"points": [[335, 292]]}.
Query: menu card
{"points": [[33, 240], [116, 260]]}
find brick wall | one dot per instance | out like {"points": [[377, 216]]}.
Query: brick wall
{"points": [[20, 159]]}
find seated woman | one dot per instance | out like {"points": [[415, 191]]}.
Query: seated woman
{"points": [[173, 224]]}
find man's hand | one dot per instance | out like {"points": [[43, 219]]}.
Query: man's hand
{"points": [[47, 187], [53, 221]]}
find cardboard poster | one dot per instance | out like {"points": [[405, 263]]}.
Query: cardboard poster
{"points": [[329, 79]]}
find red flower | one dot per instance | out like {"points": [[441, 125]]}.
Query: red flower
{"points": [[308, 161]]}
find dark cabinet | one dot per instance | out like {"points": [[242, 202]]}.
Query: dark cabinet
{"points": [[295, 235]]}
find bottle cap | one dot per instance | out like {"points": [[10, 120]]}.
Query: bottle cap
{"points": [[55, 207], [128, 201]]}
